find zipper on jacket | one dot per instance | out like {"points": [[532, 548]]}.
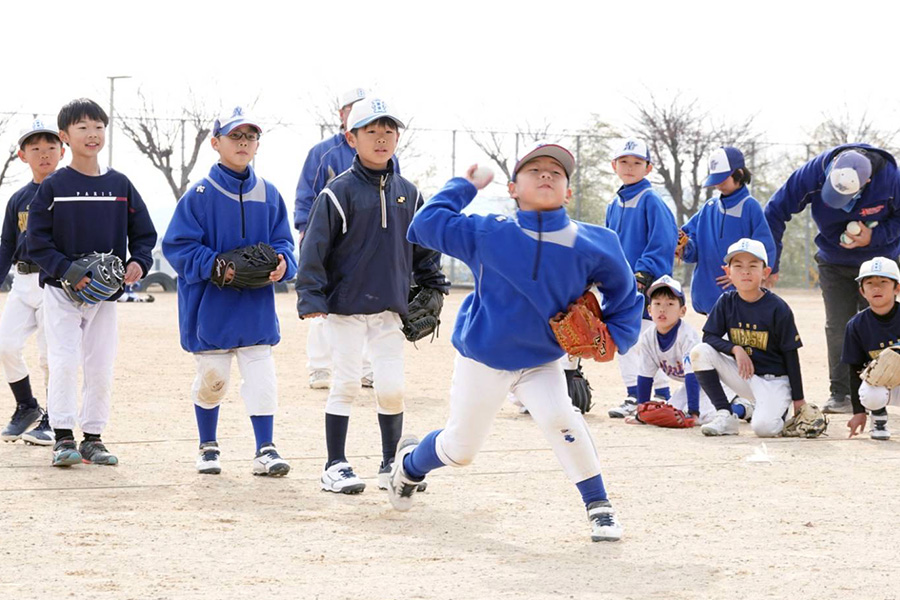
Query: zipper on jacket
{"points": [[241, 198], [537, 255], [383, 205]]}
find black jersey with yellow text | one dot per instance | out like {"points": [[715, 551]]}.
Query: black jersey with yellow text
{"points": [[868, 334]]}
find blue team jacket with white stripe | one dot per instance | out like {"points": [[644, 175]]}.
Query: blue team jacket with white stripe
{"points": [[526, 270], [646, 228], [73, 214], [220, 213]]}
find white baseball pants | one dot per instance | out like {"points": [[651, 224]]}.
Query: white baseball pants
{"points": [[85, 334], [630, 364], [259, 386], [318, 349], [22, 316], [478, 391]]}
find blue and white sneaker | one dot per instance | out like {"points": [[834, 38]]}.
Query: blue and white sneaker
{"points": [[42, 435], [340, 479], [605, 526], [384, 477], [402, 487], [65, 454], [208, 459], [24, 417], [269, 463]]}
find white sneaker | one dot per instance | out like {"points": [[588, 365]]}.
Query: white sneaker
{"points": [[401, 487], [626, 409], [879, 430], [268, 463], [748, 407], [384, 478], [605, 527], [208, 460], [340, 479], [724, 423], [320, 379]]}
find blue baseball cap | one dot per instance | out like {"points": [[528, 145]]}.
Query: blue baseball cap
{"points": [[37, 126], [722, 163], [845, 177], [669, 282], [633, 147], [225, 125]]}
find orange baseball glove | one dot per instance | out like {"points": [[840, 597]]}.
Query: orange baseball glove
{"points": [[683, 240], [581, 331], [663, 415]]}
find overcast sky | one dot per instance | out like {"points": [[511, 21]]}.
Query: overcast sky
{"points": [[448, 65]]}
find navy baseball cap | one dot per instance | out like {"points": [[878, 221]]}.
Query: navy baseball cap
{"points": [[554, 151], [722, 163], [37, 126], [845, 177], [225, 125]]}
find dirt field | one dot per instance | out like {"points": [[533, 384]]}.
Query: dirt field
{"points": [[820, 521]]}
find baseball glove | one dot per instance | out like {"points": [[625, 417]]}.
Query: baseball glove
{"points": [[644, 281], [663, 415], [252, 266], [579, 389], [683, 240], [809, 422], [884, 369], [423, 317], [106, 272], [581, 331]]}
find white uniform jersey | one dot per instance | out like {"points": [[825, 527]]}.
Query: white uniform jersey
{"points": [[674, 362]]}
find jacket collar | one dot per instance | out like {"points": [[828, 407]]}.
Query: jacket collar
{"points": [[627, 192], [231, 183], [369, 175], [733, 199], [543, 220]]}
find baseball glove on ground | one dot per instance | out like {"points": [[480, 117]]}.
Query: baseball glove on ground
{"points": [[683, 240], [663, 415], [809, 422], [884, 369], [252, 266], [581, 331], [106, 272], [579, 389], [423, 317]]}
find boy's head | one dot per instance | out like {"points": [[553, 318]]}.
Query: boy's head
{"points": [[236, 139], [373, 130], [540, 179], [727, 171], [82, 125], [747, 262], [41, 148], [346, 102], [666, 303], [879, 282], [631, 162]]}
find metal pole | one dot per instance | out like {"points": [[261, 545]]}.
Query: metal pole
{"points": [[112, 111], [807, 275], [453, 156], [578, 177]]}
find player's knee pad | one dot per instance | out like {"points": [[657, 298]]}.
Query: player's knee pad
{"points": [[701, 357], [874, 397], [212, 388]]}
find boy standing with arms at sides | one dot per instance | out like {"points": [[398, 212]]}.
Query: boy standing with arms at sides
{"points": [[355, 265], [230, 208], [762, 338], [868, 333], [40, 148], [78, 210], [722, 221], [526, 271], [648, 234]]}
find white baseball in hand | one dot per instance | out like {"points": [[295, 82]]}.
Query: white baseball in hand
{"points": [[482, 173], [853, 228]]}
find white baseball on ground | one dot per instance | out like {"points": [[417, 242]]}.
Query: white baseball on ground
{"points": [[853, 228], [482, 173]]}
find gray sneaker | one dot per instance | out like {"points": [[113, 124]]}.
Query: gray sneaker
{"points": [[94, 452], [838, 405], [626, 409]]}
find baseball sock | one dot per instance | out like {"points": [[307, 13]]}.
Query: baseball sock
{"points": [[22, 391], [423, 458], [336, 438], [262, 429], [391, 429], [207, 421], [592, 489], [64, 434], [631, 391], [738, 410], [709, 381], [92, 437], [881, 413], [663, 392]]}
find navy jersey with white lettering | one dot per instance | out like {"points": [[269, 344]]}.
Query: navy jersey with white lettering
{"points": [[868, 334], [12, 242], [765, 329]]}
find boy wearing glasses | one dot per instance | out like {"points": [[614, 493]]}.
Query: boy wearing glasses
{"points": [[230, 208]]}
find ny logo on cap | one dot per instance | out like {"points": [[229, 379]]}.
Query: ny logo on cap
{"points": [[238, 112], [630, 145], [713, 163], [378, 106]]}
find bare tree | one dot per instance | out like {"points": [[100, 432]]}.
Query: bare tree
{"points": [[496, 145], [594, 184], [13, 150], [159, 138], [845, 127]]}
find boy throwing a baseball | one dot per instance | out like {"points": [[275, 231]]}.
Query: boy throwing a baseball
{"points": [[526, 271]]}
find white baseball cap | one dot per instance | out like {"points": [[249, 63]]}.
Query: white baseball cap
{"points": [[879, 267], [352, 96], [37, 126], [754, 247], [224, 125], [722, 163], [371, 109], [669, 282], [554, 151], [633, 147]]}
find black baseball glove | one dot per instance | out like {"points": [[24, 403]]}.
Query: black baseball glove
{"points": [[251, 265], [106, 272], [644, 281], [579, 389], [423, 317]]}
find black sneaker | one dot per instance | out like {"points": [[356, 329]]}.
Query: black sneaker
{"points": [[42, 435], [24, 417], [94, 452], [65, 454]]}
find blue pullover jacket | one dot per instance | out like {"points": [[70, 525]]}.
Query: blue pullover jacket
{"points": [[646, 228], [12, 242], [220, 213], [880, 201], [526, 271], [718, 224]]}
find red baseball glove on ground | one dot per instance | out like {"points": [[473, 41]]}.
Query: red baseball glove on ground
{"points": [[663, 415]]}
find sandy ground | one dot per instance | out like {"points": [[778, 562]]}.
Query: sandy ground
{"points": [[820, 521]]}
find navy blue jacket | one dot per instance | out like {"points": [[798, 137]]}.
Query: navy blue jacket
{"points": [[355, 259], [12, 242]]}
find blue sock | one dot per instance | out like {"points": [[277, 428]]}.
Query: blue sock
{"points": [[738, 409], [663, 392], [207, 421], [592, 489], [262, 429], [632, 391], [424, 458]]}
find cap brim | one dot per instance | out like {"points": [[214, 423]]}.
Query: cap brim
{"points": [[25, 136], [366, 120], [831, 197], [731, 255], [554, 151], [715, 179]]}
